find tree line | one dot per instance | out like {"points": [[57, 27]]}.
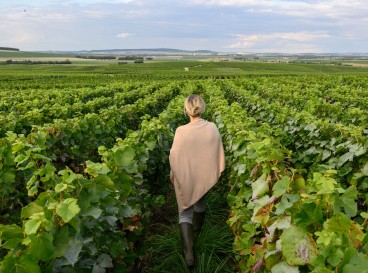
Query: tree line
{"points": [[35, 62], [9, 48]]}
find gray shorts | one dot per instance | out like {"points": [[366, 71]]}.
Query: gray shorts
{"points": [[187, 214]]}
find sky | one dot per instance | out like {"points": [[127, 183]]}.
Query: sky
{"points": [[259, 26]]}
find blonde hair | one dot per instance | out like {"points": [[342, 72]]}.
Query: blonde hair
{"points": [[194, 106]]}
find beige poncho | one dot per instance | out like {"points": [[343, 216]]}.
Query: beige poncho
{"points": [[197, 160]]}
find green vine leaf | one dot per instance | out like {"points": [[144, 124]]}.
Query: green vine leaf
{"points": [[67, 209], [23, 264], [260, 186], [298, 247], [74, 249], [283, 267], [31, 226], [281, 186], [357, 264], [41, 246]]}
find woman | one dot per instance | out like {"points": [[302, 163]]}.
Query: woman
{"points": [[197, 161]]}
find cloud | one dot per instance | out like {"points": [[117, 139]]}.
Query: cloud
{"points": [[92, 2], [250, 39], [19, 27], [255, 25], [123, 1], [124, 35], [15, 34], [323, 8], [109, 12], [9, 38], [37, 15], [290, 48], [294, 41], [96, 14]]}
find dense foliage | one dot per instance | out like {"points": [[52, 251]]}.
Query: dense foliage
{"points": [[82, 167]]}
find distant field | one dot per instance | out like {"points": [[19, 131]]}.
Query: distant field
{"points": [[358, 61], [176, 68], [362, 63], [198, 65], [26, 54]]}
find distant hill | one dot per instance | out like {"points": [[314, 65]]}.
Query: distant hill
{"points": [[9, 49], [155, 50], [142, 52], [7, 52]]}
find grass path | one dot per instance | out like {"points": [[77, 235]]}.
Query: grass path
{"points": [[212, 248]]}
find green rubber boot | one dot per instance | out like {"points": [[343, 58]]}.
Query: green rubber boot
{"points": [[186, 235], [198, 221]]}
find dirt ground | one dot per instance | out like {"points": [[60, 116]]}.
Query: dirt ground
{"points": [[357, 64]]}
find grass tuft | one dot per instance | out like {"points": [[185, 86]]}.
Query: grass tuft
{"points": [[212, 248]]}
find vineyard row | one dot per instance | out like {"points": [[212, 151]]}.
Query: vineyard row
{"points": [[298, 184]]}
